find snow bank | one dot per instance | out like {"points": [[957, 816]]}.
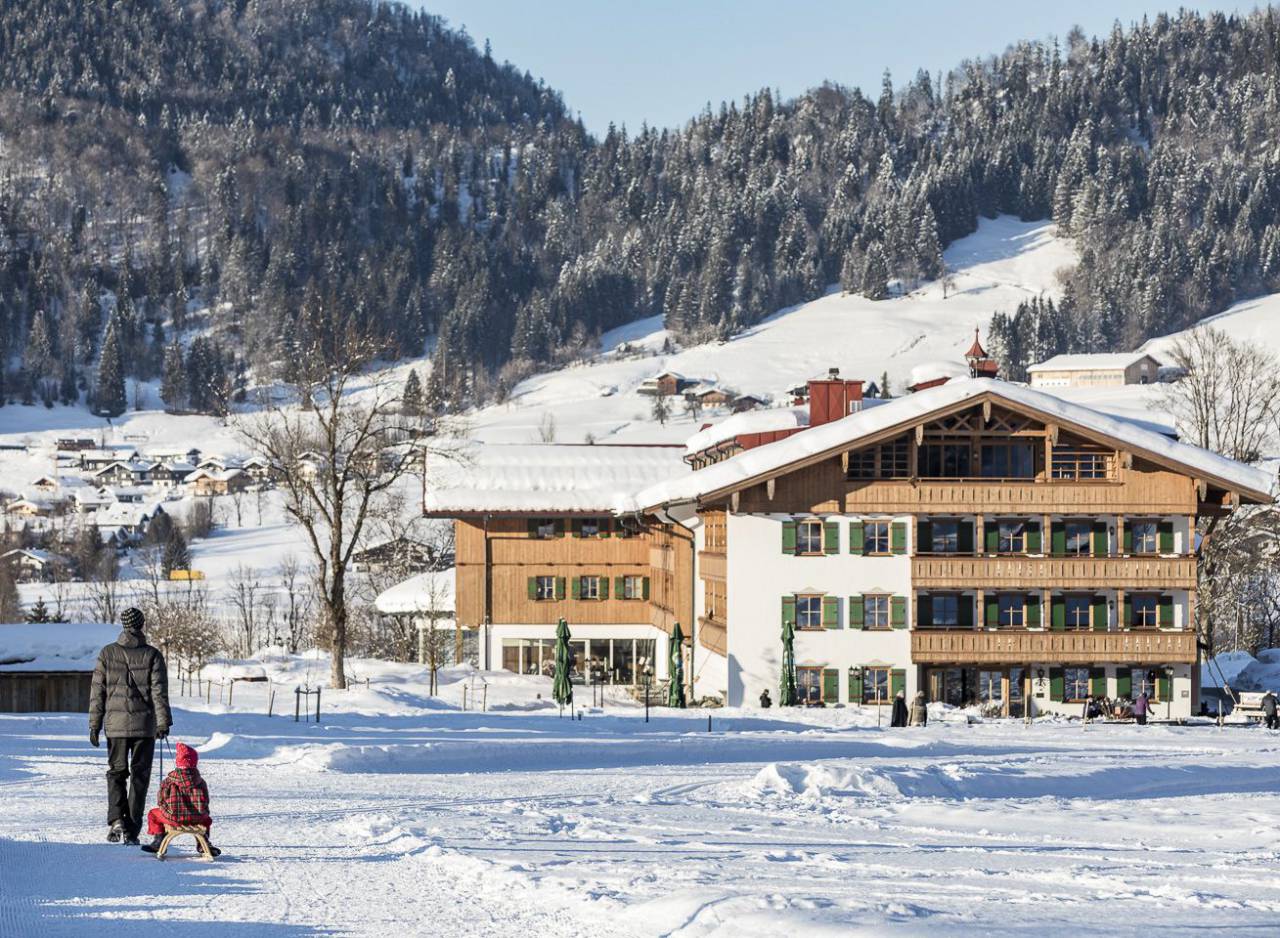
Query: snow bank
{"points": [[1262, 674], [53, 646], [1225, 667]]}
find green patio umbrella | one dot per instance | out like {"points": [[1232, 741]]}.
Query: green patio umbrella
{"points": [[787, 689], [675, 687], [561, 689]]}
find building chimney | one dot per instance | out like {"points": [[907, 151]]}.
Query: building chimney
{"points": [[833, 397]]}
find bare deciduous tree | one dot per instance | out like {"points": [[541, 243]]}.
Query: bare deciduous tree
{"points": [[296, 603]]}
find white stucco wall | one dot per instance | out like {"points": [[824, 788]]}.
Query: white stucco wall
{"points": [[760, 574]]}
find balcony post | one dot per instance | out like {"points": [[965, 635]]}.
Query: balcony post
{"points": [[980, 614], [1119, 551], [1120, 623]]}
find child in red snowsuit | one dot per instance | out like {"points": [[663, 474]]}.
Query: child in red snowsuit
{"points": [[184, 800]]}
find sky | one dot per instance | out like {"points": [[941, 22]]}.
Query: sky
{"points": [[662, 61]]}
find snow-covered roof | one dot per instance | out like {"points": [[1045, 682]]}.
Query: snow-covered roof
{"points": [[1091, 362], [35, 553], [220, 475], [773, 458], [937, 368], [547, 477], [53, 646], [432, 591], [749, 421], [119, 514]]}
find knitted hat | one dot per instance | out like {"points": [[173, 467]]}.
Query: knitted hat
{"points": [[186, 757], [133, 619]]}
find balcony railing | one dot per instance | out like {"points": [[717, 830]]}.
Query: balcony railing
{"points": [[968, 646], [1084, 573], [1160, 495]]}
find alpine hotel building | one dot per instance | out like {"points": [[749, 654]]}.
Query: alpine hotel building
{"points": [[981, 541]]}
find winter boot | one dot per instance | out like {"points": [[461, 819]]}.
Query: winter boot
{"points": [[131, 838], [115, 833], [154, 846], [213, 851]]}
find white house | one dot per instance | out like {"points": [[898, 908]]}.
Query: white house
{"points": [[1098, 370]]}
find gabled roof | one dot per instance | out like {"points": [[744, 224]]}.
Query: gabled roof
{"points": [[822, 442], [1099, 360], [751, 421]]}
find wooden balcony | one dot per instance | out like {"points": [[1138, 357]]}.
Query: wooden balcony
{"points": [[712, 565], [967, 646], [713, 635], [1080, 573], [1138, 493]]}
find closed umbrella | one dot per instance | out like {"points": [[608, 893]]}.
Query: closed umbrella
{"points": [[561, 688], [787, 689], [675, 689]]}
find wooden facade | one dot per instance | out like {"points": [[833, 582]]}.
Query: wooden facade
{"points": [[45, 691], [1066, 573], [967, 646]]}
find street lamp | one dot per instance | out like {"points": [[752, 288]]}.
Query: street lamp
{"points": [[648, 681]]}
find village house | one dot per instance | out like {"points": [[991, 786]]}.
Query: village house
{"points": [[133, 472], [171, 474], [427, 601], [34, 507], [89, 499], [399, 554], [1101, 370], [745, 402], [259, 468], [59, 484], [31, 565], [73, 444], [92, 460], [123, 523], [217, 482], [982, 542], [666, 384]]}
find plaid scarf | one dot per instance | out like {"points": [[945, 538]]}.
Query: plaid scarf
{"points": [[184, 797]]}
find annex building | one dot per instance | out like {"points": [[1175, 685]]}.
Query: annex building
{"points": [[981, 541]]}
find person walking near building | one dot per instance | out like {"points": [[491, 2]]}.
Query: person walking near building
{"points": [[1269, 710], [765, 700], [899, 717], [1140, 708], [919, 710], [129, 699]]}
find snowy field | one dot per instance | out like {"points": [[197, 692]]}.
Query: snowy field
{"points": [[403, 815]]}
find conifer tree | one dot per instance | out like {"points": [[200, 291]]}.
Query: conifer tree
{"points": [[875, 273], [173, 381], [412, 400], [111, 400]]}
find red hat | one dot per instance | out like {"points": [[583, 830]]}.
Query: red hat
{"points": [[187, 757]]}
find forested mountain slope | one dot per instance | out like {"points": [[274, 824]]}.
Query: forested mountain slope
{"points": [[267, 174]]}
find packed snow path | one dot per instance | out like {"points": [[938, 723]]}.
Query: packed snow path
{"points": [[451, 823]]}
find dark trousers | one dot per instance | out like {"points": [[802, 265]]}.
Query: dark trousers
{"points": [[128, 776], [1273, 721], [1141, 718]]}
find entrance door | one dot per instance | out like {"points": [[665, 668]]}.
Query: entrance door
{"points": [[991, 689], [1017, 692]]}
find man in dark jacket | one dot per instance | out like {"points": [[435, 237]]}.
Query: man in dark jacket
{"points": [[1271, 711], [130, 700]]}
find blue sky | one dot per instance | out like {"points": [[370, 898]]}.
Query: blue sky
{"points": [[663, 60]]}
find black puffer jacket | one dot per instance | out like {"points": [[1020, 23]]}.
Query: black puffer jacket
{"points": [[130, 694]]}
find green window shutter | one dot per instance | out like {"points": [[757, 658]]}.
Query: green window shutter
{"points": [[830, 685], [1100, 623], [533, 527], [789, 610], [619, 587], [1098, 682], [575, 587], [604, 587], [924, 610], [788, 537], [964, 612], [1128, 542], [857, 538], [1164, 685], [1164, 537], [1127, 622], [1058, 538], [644, 588], [1124, 683], [898, 612], [1057, 684], [830, 537], [1033, 537], [559, 587], [964, 537], [1099, 539], [559, 527], [857, 617], [992, 535], [991, 618], [1166, 612], [855, 685], [533, 587], [897, 681], [830, 612], [1033, 611], [1058, 613], [898, 537]]}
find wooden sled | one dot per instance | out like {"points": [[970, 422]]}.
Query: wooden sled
{"points": [[202, 840]]}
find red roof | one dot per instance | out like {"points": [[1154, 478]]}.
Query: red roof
{"points": [[976, 350]]}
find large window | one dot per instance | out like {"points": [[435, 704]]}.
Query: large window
{"points": [[1145, 536], [809, 685], [1077, 464], [544, 587], [944, 537], [808, 612], [1008, 460], [1144, 611], [1143, 682], [1078, 611], [609, 660], [1079, 536], [1076, 687], [887, 461], [589, 587], [875, 611], [946, 609], [809, 537], [1012, 610], [875, 685], [875, 536], [1012, 537], [944, 460], [632, 587]]}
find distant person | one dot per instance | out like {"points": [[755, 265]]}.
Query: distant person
{"points": [[765, 700], [129, 698], [899, 716], [184, 801], [1269, 710], [919, 710], [1140, 708]]}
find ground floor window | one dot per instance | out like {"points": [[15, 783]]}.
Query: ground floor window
{"points": [[1076, 684], [965, 687], [809, 685], [1142, 681], [597, 660], [875, 685]]}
